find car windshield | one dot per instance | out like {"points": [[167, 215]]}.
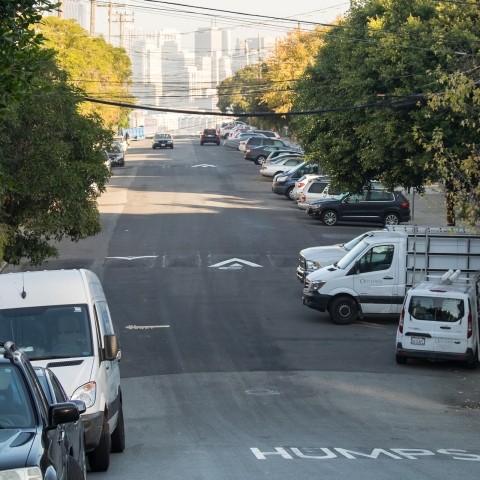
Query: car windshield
{"points": [[163, 135], [48, 332], [345, 262]]}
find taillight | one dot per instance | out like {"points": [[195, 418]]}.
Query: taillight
{"points": [[402, 318], [469, 325], [405, 204]]}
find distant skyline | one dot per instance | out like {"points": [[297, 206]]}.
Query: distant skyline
{"points": [[247, 18]]}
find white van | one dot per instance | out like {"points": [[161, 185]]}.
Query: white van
{"points": [[61, 320], [439, 320]]}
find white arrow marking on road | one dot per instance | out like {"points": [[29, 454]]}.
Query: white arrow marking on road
{"points": [[232, 265], [204, 165], [145, 327], [134, 258]]}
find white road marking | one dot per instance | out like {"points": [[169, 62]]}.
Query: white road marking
{"points": [[233, 264], [134, 258], [204, 165]]}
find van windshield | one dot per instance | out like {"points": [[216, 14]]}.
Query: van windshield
{"points": [[48, 332], [355, 252]]}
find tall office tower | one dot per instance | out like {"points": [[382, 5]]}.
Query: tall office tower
{"points": [[147, 72], [77, 10], [208, 44]]}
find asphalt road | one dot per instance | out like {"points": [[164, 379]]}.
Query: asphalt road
{"points": [[225, 374]]}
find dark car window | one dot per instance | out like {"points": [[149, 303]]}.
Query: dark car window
{"points": [[317, 187], [380, 196], [376, 259]]}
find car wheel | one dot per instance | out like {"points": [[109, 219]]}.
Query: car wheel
{"points": [[391, 219], [329, 218], [401, 360], [74, 470], [260, 160], [171, 147], [343, 310], [99, 458], [289, 193], [154, 148]]}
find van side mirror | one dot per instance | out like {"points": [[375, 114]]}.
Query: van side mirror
{"points": [[111, 347]]}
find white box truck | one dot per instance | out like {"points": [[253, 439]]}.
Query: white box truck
{"points": [[375, 275], [61, 320], [439, 320]]}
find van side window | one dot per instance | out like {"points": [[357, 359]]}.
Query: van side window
{"points": [[377, 258], [104, 318]]}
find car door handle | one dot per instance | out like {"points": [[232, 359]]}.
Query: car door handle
{"points": [[388, 278], [446, 328]]}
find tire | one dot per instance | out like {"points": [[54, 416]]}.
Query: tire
{"points": [[99, 459], [74, 470], [329, 218], [391, 219], [154, 148], [118, 435], [343, 310], [171, 147], [260, 160], [289, 193], [400, 359]]}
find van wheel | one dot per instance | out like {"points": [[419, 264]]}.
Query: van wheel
{"points": [[74, 470], [118, 435], [329, 218], [99, 459], [343, 310], [400, 359], [474, 363]]}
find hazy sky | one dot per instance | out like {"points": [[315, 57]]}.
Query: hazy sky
{"points": [[246, 18]]}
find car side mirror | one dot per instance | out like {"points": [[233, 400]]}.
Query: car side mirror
{"points": [[111, 347]]}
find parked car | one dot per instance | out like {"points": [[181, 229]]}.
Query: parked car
{"points": [[301, 183], [234, 140], [33, 439], [259, 155], [261, 140], [268, 133], [279, 166], [371, 206], [116, 154], [284, 183], [317, 189], [121, 139], [209, 135], [292, 151], [162, 140], [74, 432]]}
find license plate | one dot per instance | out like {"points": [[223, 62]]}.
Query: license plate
{"points": [[417, 341], [162, 144]]}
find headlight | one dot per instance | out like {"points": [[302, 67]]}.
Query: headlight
{"points": [[312, 265], [281, 179], [29, 473], [316, 285], [87, 393]]}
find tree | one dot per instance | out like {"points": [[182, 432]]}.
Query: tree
{"points": [[93, 65], [53, 170], [371, 79], [21, 55]]}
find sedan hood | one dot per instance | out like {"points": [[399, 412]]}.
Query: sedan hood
{"points": [[15, 447]]}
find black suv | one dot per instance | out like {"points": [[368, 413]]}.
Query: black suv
{"points": [[34, 443], [372, 206], [209, 135]]}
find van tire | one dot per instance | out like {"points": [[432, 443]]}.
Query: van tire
{"points": [[343, 310], [99, 459], [118, 435], [401, 360]]}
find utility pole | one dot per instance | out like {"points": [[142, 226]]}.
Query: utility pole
{"points": [[122, 18], [109, 5]]}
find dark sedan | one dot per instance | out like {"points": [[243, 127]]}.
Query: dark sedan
{"points": [[33, 441], [259, 154], [371, 206]]}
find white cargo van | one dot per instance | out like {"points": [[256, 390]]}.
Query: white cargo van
{"points": [[373, 278], [61, 320], [439, 320]]}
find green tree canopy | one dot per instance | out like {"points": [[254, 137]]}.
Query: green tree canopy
{"points": [[96, 67], [53, 170]]}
